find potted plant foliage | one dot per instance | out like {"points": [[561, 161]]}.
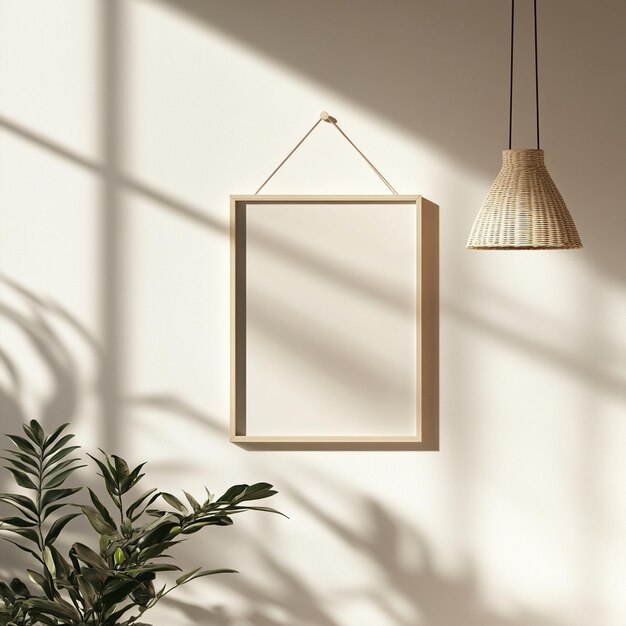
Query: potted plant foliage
{"points": [[113, 584]]}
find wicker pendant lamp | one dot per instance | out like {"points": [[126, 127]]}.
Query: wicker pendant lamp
{"points": [[523, 209]]}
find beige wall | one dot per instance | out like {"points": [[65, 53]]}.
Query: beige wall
{"points": [[124, 127]]}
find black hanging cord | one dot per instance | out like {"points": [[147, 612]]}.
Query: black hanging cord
{"points": [[511, 74], [536, 76]]}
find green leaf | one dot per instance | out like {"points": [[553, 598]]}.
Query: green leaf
{"points": [[104, 541], [49, 561], [264, 509], [195, 505], [122, 470], [61, 454], [207, 572], [29, 433], [258, 491], [96, 575], [132, 479], [54, 436], [242, 493], [87, 591], [153, 567], [175, 502], [119, 557], [57, 494], [52, 508], [7, 595], [37, 431], [165, 517], [159, 533], [62, 566], [19, 588], [57, 468], [106, 516], [25, 458], [27, 533], [163, 534], [87, 555], [45, 619], [59, 479], [155, 551], [59, 444], [24, 445], [234, 492], [144, 594], [18, 521], [182, 579], [56, 608], [106, 472], [98, 523], [135, 505], [112, 615], [58, 526], [109, 461], [213, 520], [22, 503], [118, 590], [25, 549], [22, 466], [22, 479], [40, 580]]}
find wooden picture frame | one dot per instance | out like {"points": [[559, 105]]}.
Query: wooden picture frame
{"points": [[426, 436]]}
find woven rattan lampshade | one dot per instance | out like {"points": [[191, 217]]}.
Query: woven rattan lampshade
{"points": [[523, 209]]}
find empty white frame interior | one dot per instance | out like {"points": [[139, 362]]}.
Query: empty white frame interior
{"points": [[328, 292]]}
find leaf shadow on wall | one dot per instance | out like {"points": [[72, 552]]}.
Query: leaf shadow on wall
{"points": [[428, 596], [434, 598], [32, 318]]}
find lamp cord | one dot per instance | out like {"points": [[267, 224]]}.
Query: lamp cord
{"points": [[325, 117], [536, 74], [511, 74]]}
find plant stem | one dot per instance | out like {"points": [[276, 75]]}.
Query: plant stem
{"points": [[42, 544], [121, 507], [39, 490]]}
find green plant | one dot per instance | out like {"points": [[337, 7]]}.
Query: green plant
{"points": [[115, 584]]}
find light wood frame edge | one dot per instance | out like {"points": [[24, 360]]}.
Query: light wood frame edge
{"points": [[233, 317], [427, 419]]}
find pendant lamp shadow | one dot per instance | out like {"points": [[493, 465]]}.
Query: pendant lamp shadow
{"points": [[523, 209]]}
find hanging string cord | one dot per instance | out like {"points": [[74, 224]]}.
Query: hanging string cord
{"points": [[267, 180], [393, 191], [511, 74], [536, 75], [325, 117]]}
